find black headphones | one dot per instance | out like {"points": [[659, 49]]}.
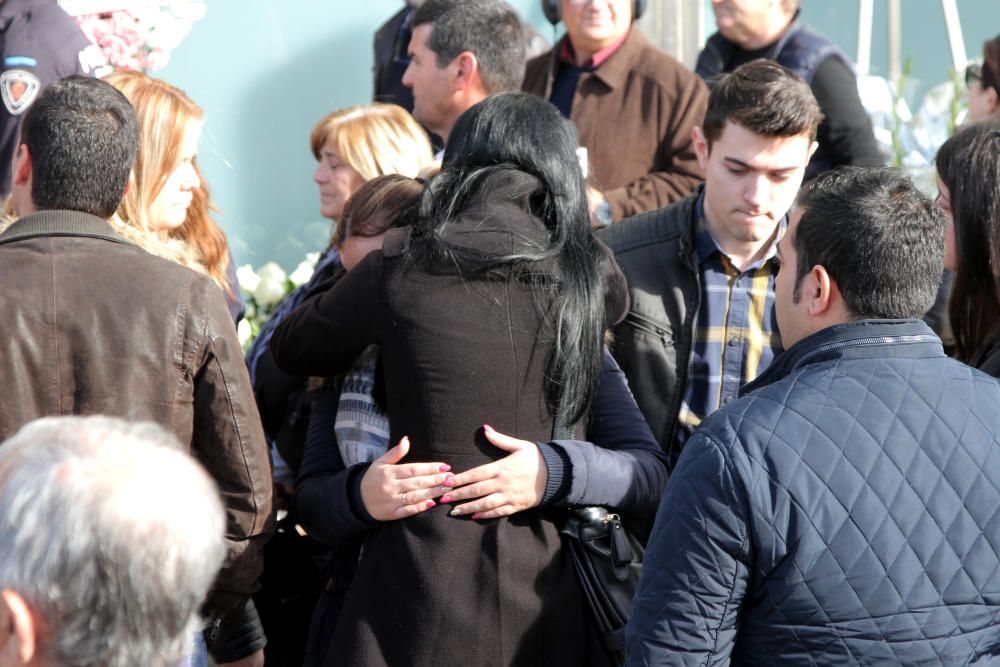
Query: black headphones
{"points": [[553, 10]]}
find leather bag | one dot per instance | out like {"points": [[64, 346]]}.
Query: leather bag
{"points": [[608, 563]]}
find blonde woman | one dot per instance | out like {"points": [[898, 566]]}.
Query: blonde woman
{"points": [[356, 144], [351, 146], [166, 209]]}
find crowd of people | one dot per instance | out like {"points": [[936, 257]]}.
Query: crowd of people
{"points": [[591, 277]]}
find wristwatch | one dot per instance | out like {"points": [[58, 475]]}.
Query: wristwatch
{"points": [[602, 214]]}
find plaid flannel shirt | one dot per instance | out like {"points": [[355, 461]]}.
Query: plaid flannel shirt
{"points": [[737, 331]]}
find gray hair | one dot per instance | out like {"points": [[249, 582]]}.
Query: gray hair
{"points": [[112, 535]]}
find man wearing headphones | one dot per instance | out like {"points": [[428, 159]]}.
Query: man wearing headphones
{"points": [[633, 105]]}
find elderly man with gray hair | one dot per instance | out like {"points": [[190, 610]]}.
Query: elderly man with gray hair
{"points": [[110, 537]]}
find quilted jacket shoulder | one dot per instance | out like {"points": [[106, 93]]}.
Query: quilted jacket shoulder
{"points": [[846, 513]]}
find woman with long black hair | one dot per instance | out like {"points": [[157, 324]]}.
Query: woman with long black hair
{"points": [[968, 168], [490, 309]]}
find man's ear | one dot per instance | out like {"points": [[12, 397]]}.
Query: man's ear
{"points": [[992, 99], [22, 165], [700, 142], [812, 149], [130, 183], [820, 291], [17, 630], [466, 71]]}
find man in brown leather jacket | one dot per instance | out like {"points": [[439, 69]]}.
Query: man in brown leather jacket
{"points": [[94, 324]]}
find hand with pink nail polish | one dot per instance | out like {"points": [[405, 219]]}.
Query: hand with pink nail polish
{"points": [[512, 484], [392, 490]]}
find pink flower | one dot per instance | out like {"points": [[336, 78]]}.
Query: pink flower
{"points": [[141, 37]]}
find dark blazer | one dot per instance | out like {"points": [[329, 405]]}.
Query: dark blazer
{"points": [[390, 44], [458, 352], [844, 511]]}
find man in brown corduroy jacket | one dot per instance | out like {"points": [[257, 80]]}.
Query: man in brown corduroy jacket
{"points": [[633, 105]]}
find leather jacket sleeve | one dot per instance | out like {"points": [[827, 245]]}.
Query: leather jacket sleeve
{"points": [[228, 439]]}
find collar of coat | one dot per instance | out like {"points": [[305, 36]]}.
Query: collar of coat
{"points": [[614, 71], [60, 223], [718, 50], [872, 339]]}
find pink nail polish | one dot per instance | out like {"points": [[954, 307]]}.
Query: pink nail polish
{"points": [[488, 428], [448, 481], [444, 467], [445, 499], [475, 516], [430, 504]]}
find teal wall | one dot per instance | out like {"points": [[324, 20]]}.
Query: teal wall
{"points": [[266, 70], [923, 34]]}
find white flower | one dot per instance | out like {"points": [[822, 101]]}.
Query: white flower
{"points": [[244, 332], [303, 272], [189, 11], [247, 278], [271, 288]]}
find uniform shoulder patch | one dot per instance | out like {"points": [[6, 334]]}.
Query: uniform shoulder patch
{"points": [[18, 88]]}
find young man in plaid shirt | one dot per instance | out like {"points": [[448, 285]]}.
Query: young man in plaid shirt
{"points": [[701, 271]]}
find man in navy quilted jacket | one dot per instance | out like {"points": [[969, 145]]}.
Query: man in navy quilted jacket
{"points": [[846, 509]]}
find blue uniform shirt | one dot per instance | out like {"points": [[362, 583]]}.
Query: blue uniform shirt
{"points": [[39, 44]]}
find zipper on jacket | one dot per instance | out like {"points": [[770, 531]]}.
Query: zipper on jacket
{"points": [[681, 386], [213, 633], [647, 325], [868, 340]]}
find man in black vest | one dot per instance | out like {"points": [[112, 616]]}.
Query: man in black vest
{"points": [[773, 29]]}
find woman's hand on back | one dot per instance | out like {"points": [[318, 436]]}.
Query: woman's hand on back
{"points": [[510, 485], [391, 490]]}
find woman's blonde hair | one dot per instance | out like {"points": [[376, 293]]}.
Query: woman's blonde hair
{"points": [[374, 140], [165, 113]]}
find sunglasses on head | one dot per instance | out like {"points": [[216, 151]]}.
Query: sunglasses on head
{"points": [[974, 72]]}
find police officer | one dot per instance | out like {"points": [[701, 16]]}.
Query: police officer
{"points": [[39, 43]]}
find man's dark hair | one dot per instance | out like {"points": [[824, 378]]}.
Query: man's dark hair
{"points": [[82, 135], [489, 29], [878, 237], [765, 98]]}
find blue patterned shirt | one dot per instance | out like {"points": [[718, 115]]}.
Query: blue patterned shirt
{"points": [[736, 334]]}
